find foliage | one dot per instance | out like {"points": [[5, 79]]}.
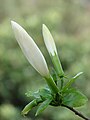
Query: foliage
{"points": [[73, 43]]}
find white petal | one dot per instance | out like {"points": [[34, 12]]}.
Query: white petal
{"points": [[30, 49], [49, 41]]}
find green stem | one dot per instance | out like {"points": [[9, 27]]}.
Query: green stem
{"points": [[52, 84]]}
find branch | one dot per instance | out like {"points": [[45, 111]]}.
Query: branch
{"points": [[76, 112]]}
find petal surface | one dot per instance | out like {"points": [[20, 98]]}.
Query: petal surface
{"points": [[30, 49], [49, 41]]}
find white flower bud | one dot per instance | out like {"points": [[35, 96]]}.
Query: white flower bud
{"points": [[50, 45], [49, 41], [30, 49]]}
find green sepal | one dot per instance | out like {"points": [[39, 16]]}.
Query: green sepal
{"points": [[72, 80], [43, 106], [74, 98], [29, 106], [57, 64]]}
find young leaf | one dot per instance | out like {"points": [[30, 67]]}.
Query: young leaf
{"points": [[74, 98], [43, 106], [71, 81], [45, 93], [33, 94], [29, 106], [77, 75]]}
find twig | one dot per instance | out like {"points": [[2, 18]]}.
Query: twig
{"points": [[76, 112]]}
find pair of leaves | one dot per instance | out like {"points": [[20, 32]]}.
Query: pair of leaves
{"points": [[34, 103], [45, 95], [74, 98], [42, 96]]}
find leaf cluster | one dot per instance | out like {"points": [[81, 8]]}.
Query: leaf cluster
{"points": [[67, 95]]}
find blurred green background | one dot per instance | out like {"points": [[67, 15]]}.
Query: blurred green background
{"points": [[69, 23]]}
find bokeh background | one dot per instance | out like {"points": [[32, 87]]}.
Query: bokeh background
{"points": [[69, 23]]}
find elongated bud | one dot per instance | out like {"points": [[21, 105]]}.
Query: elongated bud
{"points": [[33, 54], [50, 45], [30, 49]]}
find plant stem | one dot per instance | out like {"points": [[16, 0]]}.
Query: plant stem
{"points": [[52, 84], [76, 112]]}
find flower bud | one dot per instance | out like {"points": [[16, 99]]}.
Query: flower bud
{"points": [[33, 54], [30, 49], [50, 45]]}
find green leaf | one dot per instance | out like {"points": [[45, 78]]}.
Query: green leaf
{"points": [[29, 106], [33, 94], [71, 81], [45, 93], [43, 106], [77, 75], [74, 98]]}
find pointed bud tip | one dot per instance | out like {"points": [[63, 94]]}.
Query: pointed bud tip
{"points": [[44, 26], [13, 23]]}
